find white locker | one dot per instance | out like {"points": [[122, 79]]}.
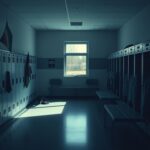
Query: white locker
{"points": [[4, 95], [29, 85], [24, 89], [13, 84], [17, 80], [20, 85], [8, 100]]}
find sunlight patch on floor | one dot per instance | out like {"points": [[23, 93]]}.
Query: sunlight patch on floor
{"points": [[52, 108], [54, 104]]}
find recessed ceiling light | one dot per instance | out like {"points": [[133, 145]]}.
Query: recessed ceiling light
{"points": [[76, 23]]}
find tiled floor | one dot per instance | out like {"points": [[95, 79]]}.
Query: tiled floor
{"points": [[76, 125]]}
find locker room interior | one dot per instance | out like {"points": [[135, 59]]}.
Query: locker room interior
{"points": [[42, 107]]}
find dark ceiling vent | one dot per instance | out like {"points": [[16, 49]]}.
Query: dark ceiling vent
{"points": [[76, 23]]}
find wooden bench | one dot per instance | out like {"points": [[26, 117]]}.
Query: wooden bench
{"points": [[122, 113]]}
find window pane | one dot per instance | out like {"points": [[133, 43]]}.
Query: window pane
{"points": [[76, 48], [75, 65]]}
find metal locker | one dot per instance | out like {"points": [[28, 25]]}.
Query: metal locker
{"points": [[18, 90], [13, 84], [9, 94], [21, 68], [24, 89], [17, 80], [4, 95], [29, 88]]}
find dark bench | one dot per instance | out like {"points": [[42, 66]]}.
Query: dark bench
{"points": [[125, 112], [57, 88], [122, 113]]}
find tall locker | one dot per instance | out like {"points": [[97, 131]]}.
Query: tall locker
{"points": [[5, 96], [20, 82], [8, 100], [13, 84], [120, 76], [19, 97], [145, 107], [1, 102], [25, 89]]}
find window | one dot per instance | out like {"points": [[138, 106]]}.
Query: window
{"points": [[75, 59]]}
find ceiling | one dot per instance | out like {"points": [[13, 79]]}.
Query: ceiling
{"points": [[94, 14]]}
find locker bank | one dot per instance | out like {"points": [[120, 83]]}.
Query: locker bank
{"points": [[74, 75]]}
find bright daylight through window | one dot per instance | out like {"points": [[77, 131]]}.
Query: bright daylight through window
{"points": [[75, 57]]}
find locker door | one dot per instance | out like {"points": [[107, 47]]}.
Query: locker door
{"points": [[5, 97], [120, 76], [20, 85], [13, 84], [17, 82], [138, 74], [24, 89], [9, 95], [29, 88], [1, 102]]}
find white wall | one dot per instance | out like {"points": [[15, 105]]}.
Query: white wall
{"points": [[49, 44], [136, 30], [23, 34]]}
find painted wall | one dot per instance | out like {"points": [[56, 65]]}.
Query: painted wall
{"points": [[23, 34], [50, 44], [135, 30]]}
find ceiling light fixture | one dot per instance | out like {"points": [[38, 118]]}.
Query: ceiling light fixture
{"points": [[76, 23], [72, 23]]}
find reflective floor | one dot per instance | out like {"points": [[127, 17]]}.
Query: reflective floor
{"points": [[70, 125]]}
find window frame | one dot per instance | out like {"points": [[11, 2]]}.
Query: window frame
{"points": [[76, 54]]}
